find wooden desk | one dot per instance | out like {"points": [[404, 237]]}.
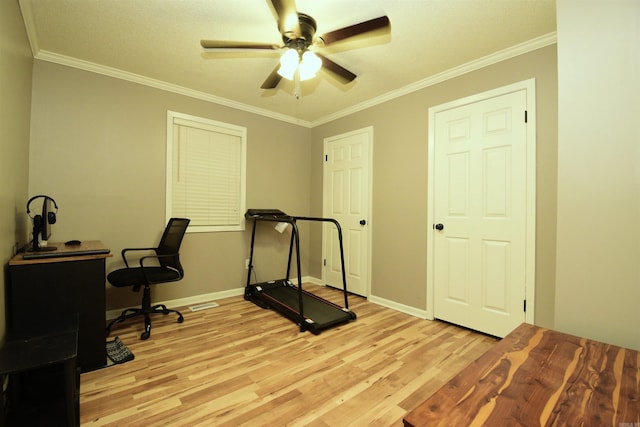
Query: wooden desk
{"points": [[536, 376], [64, 253], [47, 289]]}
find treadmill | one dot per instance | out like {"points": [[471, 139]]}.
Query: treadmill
{"points": [[309, 311]]}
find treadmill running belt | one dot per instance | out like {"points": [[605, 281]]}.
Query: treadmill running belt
{"points": [[320, 312]]}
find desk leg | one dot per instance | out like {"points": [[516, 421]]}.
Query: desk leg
{"points": [[3, 404], [71, 393]]}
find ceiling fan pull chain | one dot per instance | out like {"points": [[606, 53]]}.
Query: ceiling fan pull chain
{"points": [[296, 84]]}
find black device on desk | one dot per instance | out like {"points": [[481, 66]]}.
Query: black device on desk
{"points": [[75, 250]]}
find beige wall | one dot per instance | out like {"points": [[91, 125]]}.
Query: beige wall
{"points": [[15, 104], [98, 144], [598, 263], [98, 148], [399, 217]]}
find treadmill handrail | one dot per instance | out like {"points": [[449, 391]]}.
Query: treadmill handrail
{"points": [[337, 224], [275, 215]]}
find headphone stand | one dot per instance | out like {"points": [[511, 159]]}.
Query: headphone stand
{"points": [[39, 223], [35, 246]]}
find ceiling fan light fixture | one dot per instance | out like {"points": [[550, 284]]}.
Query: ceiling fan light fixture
{"points": [[298, 31], [289, 63], [309, 65]]}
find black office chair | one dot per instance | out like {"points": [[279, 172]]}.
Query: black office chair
{"points": [[167, 255]]}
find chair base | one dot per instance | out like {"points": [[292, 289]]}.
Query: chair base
{"points": [[146, 310]]}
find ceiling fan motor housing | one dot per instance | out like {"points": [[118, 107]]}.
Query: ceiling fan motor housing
{"points": [[303, 40]]}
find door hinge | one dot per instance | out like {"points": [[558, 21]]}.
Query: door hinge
{"points": [[326, 157], [525, 116], [524, 306], [324, 262]]}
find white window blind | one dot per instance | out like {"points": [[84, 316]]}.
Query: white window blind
{"points": [[206, 173]]}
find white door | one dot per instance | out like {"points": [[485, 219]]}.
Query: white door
{"points": [[480, 213], [347, 200]]}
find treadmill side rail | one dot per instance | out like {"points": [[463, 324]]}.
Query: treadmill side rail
{"points": [[309, 311]]}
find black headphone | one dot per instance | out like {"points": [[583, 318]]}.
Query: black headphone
{"points": [[51, 216]]}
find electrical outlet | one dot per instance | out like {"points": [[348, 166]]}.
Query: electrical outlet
{"points": [[246, 264]]}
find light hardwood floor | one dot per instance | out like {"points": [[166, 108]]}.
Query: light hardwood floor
{"points": [[238, 364]]}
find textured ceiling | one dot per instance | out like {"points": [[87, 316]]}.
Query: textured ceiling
{"points": [[159, 40]]}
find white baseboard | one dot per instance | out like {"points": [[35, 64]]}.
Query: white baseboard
{"points": [[200, 299], [309, 279], [181, 302], [422, 314]]}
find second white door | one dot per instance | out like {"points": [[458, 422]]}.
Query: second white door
{"points": [[480, 213], [347, 200]]}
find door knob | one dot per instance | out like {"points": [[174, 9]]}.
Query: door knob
{"points": [[363, 222], [439, 227]]}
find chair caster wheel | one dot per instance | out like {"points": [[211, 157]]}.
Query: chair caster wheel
{"points": [[145, 335]]}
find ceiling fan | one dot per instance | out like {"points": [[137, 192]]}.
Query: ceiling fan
{"points": [[298, 31]]}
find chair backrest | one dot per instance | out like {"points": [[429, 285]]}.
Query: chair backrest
{"points": [[171, 241]]}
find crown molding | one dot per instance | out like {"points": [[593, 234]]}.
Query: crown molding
{"points": [[68, 61], [528, 46], [502, 55], [29, 25]]}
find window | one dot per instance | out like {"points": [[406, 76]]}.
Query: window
{"points": [[206, 172]]}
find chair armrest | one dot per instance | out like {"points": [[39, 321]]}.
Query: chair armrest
{"points": [[142, 260], [156, 257], [125, 250]]}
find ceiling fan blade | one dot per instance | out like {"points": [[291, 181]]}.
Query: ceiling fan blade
{"points": [[287, 18], [356, 29], [221, 44], [272, 81], [342, 73]]}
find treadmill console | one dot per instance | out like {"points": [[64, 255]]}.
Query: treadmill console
{"points": [[264, 213]]}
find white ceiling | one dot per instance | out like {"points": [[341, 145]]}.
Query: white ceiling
{"points": [[157, 42]]}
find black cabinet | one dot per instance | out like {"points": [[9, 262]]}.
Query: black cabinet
{"points": [[43, 385], [48, 290]]}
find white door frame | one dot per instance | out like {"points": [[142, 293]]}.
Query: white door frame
{"points": [[530, 249], [369, 191]]}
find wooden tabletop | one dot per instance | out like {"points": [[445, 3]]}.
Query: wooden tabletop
{"points": [[536, 376], [66, 253]]}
